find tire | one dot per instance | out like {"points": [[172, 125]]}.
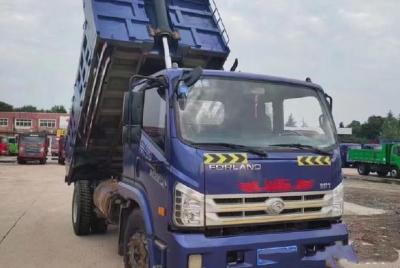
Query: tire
{"points": [[42, 161], [82, 208], [21, 162], [135, 242], [395, 173], [363, 169]]}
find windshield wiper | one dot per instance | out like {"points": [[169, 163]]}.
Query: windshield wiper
{"points": [[239, 147], [302, 147]]}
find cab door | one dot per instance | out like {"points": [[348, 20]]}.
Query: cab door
{"points": [[145, 161], [395, 156]]}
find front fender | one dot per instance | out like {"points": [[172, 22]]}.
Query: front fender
{"points": [[130, 192]]}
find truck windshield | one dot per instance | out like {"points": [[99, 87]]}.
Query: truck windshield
{"points": [[32, 139], [254, 114]]}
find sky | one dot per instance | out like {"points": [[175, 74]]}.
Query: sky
{"points": [[350, 47]]}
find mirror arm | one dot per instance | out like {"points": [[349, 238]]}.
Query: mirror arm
{"points": [[330, 101], [158, 81]]}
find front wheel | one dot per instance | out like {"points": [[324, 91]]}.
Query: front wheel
{"points": [[395, 173], [136, 253], [363, 169]]}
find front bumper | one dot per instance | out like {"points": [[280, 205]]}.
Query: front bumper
{"points": [[260, 250], [32, 157]]}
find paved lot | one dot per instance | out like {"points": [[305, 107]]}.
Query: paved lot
{"points": [[35, 225], [36, 230]]}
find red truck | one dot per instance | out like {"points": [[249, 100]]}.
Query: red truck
{"points": [[3, 146], [54, 146], [61, 150], [32, 147]]}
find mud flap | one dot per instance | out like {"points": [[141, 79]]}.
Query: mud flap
{"points": [[333, 255]]}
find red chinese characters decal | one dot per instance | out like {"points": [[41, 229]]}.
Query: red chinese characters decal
{"points": [[277, 185]]}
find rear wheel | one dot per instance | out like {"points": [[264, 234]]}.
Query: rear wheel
{"points": [[363, 169], [395, 173], [136, 253], [42, 161], [21, 162], [82, 207]]}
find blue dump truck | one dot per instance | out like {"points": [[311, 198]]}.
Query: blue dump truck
{"points": [[344, 153], [198, 167]]}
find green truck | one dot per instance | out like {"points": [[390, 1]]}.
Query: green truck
{"points": [[381, 161], [12, 145]]}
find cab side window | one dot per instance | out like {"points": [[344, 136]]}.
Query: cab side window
{"points": [[398, 150], [154, 115]]}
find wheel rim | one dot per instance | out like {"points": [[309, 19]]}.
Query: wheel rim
{"points": [[137, 251], [360, 169], [394, 173], [75, 208]]}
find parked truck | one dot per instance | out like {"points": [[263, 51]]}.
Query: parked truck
{"points": [[3, 146], [61, 150], [197, 166], [382, 161], [344, 153], [32, 147], [12, 145]]}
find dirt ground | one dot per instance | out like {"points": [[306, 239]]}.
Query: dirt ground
{"points": [[376, 238]]}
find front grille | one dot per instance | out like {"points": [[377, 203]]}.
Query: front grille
{"points": [[223, 210]]}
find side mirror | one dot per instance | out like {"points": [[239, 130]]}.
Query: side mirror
{"points": [[132, 117]]}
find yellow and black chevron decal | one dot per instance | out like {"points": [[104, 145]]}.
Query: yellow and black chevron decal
{"points": [[231, 158], [305, 161]]}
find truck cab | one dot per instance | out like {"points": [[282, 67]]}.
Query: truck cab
{"points": [[394, 160], [224, 176], [32, 147], [12, 145], [3, 146]]}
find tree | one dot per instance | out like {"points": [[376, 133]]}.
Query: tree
{"points": [[356, 127], [372, 129], [291, 122], [5, 107], [58, 109], [391, 128], [26, 108]]}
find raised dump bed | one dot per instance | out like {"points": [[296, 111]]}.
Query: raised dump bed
{"points": [[122, 38]]}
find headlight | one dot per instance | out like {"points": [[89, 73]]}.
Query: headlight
{"points": [[188, 207], [337, 201]]}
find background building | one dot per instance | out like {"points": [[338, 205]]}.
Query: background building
{"points": [[12, 123]]}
